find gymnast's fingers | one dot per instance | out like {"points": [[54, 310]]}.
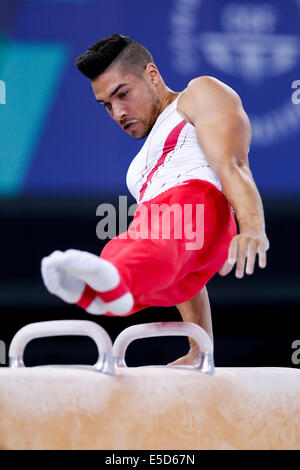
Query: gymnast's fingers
{"points": [[242, 251], [251, 256], [262, 256], [231, 259]]}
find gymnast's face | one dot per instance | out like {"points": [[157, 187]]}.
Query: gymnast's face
{"points": [[131, 100]]}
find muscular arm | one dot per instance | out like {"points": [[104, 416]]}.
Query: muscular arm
{"points": [[224, 134]]}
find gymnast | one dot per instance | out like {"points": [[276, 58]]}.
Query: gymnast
{"points": [[191, 180]]}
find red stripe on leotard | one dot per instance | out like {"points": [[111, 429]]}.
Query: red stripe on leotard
{"points": [[170, 144], [89, 294]]}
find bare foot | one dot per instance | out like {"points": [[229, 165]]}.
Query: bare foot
{"points": [[190, 359]]}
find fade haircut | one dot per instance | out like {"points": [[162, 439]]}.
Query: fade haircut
{"points": [[131, 55]]}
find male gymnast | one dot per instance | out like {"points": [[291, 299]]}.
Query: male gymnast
{"points": [[195, 156]]}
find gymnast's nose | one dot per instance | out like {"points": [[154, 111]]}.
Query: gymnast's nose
{"points": [[119, 113]]}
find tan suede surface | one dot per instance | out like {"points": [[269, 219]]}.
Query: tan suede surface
{"points": [[149, 408]]}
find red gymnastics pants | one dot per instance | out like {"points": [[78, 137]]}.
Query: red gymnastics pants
{"points": [[184, 247]]}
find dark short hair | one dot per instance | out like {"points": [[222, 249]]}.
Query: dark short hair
{"points": [[132, 55]]}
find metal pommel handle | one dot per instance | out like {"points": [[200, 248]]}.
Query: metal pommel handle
{"points": [[205, 362], [105, 362]]}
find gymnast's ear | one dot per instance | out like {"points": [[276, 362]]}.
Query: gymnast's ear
{"points": [[152, 73]]}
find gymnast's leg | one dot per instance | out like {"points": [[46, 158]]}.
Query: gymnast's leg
{"points": [[139, 272], [196, 310]]}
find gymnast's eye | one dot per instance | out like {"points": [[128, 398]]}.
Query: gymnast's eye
{"points": [[123, 94]]}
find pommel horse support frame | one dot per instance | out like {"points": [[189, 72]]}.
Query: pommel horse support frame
{"points": [[110, 358], [32, 331], [205, 363], [148, 407]]}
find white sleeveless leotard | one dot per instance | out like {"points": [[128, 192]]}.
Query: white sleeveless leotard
{"points": [[170, 156]]}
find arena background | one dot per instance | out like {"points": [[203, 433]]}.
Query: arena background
{"points": [[61, 157]]}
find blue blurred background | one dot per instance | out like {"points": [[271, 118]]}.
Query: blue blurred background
{"points": [[60, 155]]}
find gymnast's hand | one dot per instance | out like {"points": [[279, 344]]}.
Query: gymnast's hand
{"points": [[246, 246], [66, 274]]}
